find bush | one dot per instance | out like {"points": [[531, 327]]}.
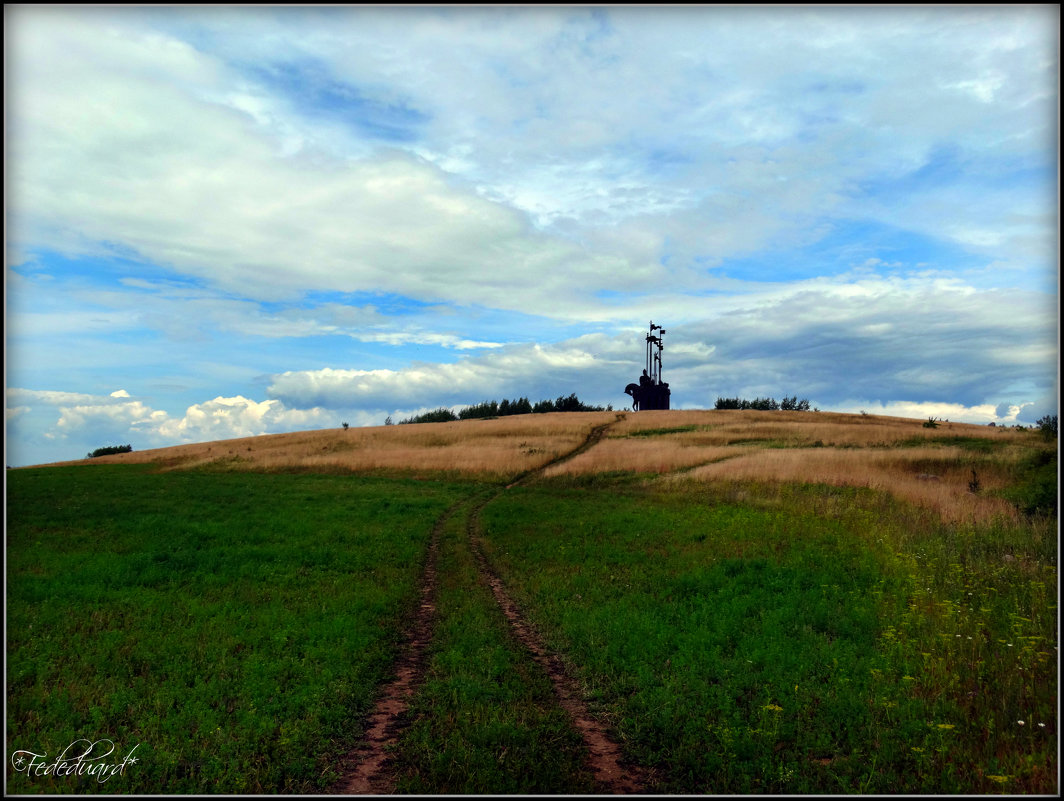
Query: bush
{"points": [[1048, 426], [107, 451], [791, 404], [1035, 491]]}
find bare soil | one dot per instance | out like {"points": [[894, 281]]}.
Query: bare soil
{"points": [[604, 754], [365, 769]]}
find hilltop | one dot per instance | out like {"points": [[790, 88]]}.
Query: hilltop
{"points": [[958, 469]]}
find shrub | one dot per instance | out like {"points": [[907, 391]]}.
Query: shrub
{"points": [[791, 404], [1035, 491], [107, 451], [1048, 426]]}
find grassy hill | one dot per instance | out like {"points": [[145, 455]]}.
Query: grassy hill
{"points": [[927, 466], [741, 602]]}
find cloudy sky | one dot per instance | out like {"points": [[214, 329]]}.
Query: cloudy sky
{"points": [[223, 222]]}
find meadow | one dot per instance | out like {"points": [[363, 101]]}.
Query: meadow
{"points": [[750, 602], [233, 627]]}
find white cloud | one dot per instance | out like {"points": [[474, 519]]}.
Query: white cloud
{"points": [[881, 338], [16, 411], [226, 418], [292, 174], [52, 397], [190, 184], [951, 412], [672, 129], [535, 371]]}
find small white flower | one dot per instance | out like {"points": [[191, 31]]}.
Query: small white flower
{"points": [[1020, 722], [1042, 725]]}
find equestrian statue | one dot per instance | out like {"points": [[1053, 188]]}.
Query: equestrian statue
{"points": [[651, 392]]}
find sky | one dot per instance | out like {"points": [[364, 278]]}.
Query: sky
{"points": [[230, 221]]}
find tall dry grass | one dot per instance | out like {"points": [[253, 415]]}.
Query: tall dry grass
{"points": [[649, 455], [903, 473], [499, 447], [731, 426], [897, 455], [921, 465]]}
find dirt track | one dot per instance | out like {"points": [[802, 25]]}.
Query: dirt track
{"points": [[365, 770]]}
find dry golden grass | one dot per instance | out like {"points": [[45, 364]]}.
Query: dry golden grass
{"points": [[838, 449], [644, 455], [883, 453], [905, 473], [727, 427], [500, 447]]}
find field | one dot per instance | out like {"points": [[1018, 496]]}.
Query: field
{"points": [[725, 602]]}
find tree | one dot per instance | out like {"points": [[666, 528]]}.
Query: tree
{"points": [[441, 415], [1048, 426], [110, 449]]}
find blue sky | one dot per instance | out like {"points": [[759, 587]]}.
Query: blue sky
{"points": [[229, 221]]}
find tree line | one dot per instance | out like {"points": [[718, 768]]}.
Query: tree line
{"points": [[791, 404], [485, 409]]}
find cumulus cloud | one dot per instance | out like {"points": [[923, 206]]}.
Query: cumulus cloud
{"points": [[876, 339], [514, 370], [225, 418], [953, 412], [809, 199], [118, 417]]}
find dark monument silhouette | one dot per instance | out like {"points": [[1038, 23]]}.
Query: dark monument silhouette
{"points": [[651, 392]]}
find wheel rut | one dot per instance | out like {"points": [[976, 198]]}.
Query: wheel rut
{"points": [[367, 768], [604, 753]]}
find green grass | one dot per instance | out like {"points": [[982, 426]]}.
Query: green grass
{"points": [[982, 445], [737, 638], [231, 626], [1034, 489], [486, 720], [795, 640], [658, 432]]}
